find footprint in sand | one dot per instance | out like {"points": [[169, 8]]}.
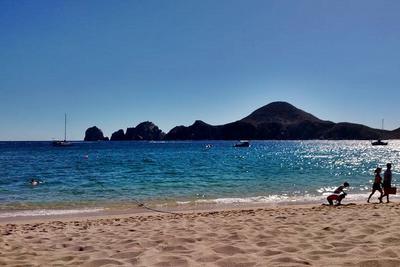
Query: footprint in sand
{"points": [[269, 252], [67, 258], [391, 240], [208, 258], [383, 262], [175, 249], [388, 253], [126, 255], [289, 260], [172, 261], [290, 249], [186, 240], [101, 262], [262, 244], [235, 262], [228, 250]]}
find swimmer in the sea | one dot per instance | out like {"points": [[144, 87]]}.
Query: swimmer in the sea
{"points": [[34, 182]]}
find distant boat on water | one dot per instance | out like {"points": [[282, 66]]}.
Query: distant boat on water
{"points": [[379, 142], [242, 144], [64, 142]]}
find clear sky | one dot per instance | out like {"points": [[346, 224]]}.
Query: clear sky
{"points": [[116, 63]]}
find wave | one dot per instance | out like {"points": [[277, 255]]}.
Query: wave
{"points": [[268, 200], [282, 199], [46, 212]]}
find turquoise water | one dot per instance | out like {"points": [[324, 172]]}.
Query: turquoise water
{"points": [[102, 173]]}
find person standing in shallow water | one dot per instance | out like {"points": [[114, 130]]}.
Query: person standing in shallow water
{"points": [[387, 182], [377, 184]]}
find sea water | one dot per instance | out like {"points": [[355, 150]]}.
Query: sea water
{"points": [[97, 174]]}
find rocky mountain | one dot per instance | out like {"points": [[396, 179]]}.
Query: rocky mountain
{"points": [[275, 121], [143, 131], [278, 121], [94, 134], [199, 130], [281, 113], [395, 134]]}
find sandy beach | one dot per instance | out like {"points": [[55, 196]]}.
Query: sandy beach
{"points": [[312, 235]]}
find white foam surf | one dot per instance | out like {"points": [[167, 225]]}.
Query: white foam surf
{"points": [[284, 199], [46, 212]]}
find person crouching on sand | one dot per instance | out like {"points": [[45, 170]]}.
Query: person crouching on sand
{"points": [[377, 184], [338, 194]]}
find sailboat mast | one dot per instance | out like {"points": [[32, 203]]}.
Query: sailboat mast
{"points": [[65, 127], [382, 123]]}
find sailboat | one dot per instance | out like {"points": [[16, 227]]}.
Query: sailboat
{"points": [[64, 142], [379, 142]]}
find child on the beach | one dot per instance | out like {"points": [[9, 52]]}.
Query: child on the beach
{"points": [[338, 194]]}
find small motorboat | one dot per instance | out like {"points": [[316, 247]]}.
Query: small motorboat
{"points": [[379, 143], [242, 144]]}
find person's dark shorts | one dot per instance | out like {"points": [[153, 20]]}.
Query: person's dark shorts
{"points": [[376, 186]]}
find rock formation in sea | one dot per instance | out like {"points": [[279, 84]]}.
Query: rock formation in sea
{"points": [[149, 131], [143, 131], [118, 135], [94, 134]]}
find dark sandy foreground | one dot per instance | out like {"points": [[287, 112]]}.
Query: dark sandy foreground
{"points": [[352, 235]]}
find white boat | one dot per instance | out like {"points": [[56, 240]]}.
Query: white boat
{"points": [[379, 142], [64, 142]]}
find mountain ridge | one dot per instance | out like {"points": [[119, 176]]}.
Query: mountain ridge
{"points": [[275, 121]]}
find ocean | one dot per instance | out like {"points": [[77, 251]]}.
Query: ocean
{"points": [[89, 176]]}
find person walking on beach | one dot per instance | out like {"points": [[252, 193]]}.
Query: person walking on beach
{"points": [[377, 184], [387, 182], [338, 194]]}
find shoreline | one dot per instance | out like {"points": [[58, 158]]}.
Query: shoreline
{"points": [[101, 213], [133, 209]]}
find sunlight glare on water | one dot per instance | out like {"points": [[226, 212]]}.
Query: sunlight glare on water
{"points": [[105, 172]]}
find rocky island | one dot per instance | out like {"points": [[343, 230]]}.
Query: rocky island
{"points": [[143, 131], [94, 134]]}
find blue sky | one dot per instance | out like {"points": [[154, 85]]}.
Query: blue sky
{"points": [[116, 63]]}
